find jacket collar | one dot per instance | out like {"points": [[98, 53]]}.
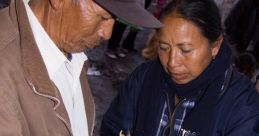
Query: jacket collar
{"points": [[32, 62]]}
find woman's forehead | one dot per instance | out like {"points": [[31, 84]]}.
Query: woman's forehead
{"points": [[177, 25]]}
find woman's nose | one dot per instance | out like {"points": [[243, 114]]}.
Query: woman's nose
{"points": [[174, 59]]}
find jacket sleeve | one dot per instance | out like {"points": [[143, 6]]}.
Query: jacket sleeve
{"points": [[120, 115], [249, 127]]}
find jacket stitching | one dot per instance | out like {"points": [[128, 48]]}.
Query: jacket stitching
{"points": [[55, 107]]}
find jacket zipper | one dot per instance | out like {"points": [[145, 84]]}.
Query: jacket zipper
{"points": [[170, 117], [175, 109]]}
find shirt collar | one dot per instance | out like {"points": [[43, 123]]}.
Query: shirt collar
{"points": [[52, 56]]}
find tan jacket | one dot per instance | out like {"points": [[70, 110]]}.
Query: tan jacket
{"points": [[30, 104]]}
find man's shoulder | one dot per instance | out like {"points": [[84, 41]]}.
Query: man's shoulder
{"points": [[8, 31], [9, 49]]}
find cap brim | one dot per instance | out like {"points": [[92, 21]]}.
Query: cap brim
{"points": [[131, 12]]}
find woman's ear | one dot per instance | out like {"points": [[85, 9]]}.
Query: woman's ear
{"points": [[216, 46]]}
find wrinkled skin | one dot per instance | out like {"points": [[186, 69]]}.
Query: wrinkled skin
{"points": [[183, 51], [74, 25]]}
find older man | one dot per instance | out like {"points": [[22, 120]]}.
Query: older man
{"points": [[43, 85]]}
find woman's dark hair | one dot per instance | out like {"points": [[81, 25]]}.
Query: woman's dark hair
{"points": [[203, 13]]}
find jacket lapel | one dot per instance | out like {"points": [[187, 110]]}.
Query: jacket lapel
{"points": [[34, 68], [88, 99]]}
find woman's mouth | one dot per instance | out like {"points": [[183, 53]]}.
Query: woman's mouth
{"points": [[178, 76]]}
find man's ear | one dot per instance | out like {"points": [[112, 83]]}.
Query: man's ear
{"points": [[56, 4], [216, 46]]}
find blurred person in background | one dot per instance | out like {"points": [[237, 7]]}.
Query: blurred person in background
{"points": [[114, 50], [246, 64], [192, 89], [242, 26], [4, 3]]}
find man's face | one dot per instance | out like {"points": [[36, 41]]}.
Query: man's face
{"points": [[84, 24]]}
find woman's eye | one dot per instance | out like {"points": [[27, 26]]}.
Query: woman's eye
{"points": [[164, 47], [184, 51]]}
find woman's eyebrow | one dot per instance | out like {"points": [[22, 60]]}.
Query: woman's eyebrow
{"points": [[163, 42], [183, 44]]}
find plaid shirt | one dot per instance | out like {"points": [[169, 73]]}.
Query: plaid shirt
{"points": [[173, 126]]}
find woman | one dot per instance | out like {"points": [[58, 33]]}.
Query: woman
{"points": [[192, 89]]}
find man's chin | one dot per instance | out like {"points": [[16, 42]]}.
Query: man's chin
{"points": [[92, 46], [76, 50], [80, 47], [83, 49]]}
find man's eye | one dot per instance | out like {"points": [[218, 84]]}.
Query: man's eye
{"points": [[105, 18]]}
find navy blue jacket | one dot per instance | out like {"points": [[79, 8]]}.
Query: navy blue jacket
{"points": [[138, 108]]}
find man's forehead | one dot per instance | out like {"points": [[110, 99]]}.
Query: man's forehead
{"points": [[101, 11]]}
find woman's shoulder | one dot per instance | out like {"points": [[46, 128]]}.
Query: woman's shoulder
{"points": [[242, 90], [151, 64], [240, 81], [241, 104], [145, 71], [148, 66]]}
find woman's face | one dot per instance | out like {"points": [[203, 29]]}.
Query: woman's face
{"points": [[183, 51]]}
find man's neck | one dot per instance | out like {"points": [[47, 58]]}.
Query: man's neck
{"points": [[43, 11]]}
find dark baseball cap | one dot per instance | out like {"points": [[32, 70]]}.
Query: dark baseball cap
{"points": [[130, 11]]}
